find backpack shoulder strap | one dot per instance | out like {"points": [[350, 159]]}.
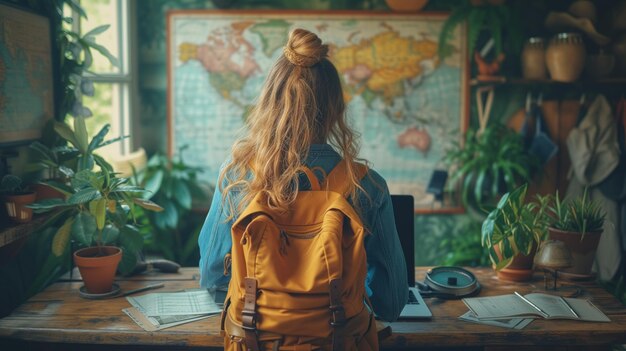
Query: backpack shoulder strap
{"points": [[336, 180]]}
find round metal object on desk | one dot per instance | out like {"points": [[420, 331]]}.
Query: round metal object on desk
{"points": [[451, 282]]}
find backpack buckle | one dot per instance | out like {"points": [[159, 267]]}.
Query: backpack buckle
{"points": [[339, 315]]}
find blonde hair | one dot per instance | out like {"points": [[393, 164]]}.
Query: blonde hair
{"points": [[301, 103]]}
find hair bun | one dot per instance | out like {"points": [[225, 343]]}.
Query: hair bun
{"points": [[304, 48]]}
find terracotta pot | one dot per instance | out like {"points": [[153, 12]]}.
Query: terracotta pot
{"points": [[565, 57], [44, 191], [97, 266], [583, 251], [16, 206], [534, 59], [520, 269], [406, 5]]}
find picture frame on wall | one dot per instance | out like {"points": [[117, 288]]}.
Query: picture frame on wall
{"points": [[407, 105], [26, 75]]}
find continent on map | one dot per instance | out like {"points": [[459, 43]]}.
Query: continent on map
{"points": [[382, 64], [415, 138], [273, 35], [227, 56]]}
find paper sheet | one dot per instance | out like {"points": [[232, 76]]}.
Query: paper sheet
{"points": [[512, 323], [187, 303]]}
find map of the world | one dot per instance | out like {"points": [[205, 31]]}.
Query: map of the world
{"points": [[26, 93], [407, 105]]}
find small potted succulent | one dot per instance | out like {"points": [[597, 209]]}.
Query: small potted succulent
{"points": [[513, 231], [16, 198], [579, 224]]}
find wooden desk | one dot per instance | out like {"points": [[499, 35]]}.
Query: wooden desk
{"points": [[58, 315]]}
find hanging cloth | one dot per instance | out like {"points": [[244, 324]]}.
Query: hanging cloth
{"points": [[538, 143], [593, 146]]}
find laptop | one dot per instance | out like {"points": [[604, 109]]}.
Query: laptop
{"points": [[404, 215]]}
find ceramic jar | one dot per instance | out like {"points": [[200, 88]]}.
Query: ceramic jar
{"points": [[534, 59], [565, 57]]}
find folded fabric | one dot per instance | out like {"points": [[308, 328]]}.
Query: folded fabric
{"points": [[593, 146]]}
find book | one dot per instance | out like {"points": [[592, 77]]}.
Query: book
{"points": [[534, 305], [512, 323]]}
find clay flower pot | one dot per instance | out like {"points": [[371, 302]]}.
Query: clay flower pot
{"points": [[520, 269], [97, 266], [583, 251], [16, 206], [406, 5]]}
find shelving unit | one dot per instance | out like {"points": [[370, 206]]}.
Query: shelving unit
{"points": [[501, 80]]}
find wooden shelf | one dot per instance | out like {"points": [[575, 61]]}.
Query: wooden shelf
{"points": [[16, 232], [497, 80]]}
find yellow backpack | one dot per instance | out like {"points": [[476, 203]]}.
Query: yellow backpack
{"points": [[298, 278]]}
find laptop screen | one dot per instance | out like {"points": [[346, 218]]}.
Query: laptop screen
{"points": [[404, 215]]}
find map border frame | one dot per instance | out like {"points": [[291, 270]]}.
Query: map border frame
{"points": [[464, 118], [29, 135]]}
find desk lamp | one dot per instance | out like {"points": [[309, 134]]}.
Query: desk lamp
{"points": [[552, 256]]}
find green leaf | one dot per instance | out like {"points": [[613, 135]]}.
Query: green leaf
{"points": [[76, 7], [97, 140], [182, 194], [80, 131], [84, 196], [66, 133], [100, 161], [62, 237], [97, 208], [153, 183], [105, 52], [97, 30], [148, 205], [131, 242], [110, 234], [85, 162], [84, 228], [46, 205]]}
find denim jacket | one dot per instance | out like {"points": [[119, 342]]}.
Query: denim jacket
{"points": [[386, 282]]}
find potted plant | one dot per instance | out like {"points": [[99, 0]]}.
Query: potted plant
{"points": [[495, 17], [16, 198], [488, 165], [578, 223], [174, 185], [54, 163], [95, 213], [512, 233]]}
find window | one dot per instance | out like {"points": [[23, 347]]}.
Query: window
{"points": [[113, 99]]}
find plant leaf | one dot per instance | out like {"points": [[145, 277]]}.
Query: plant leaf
{"points": [[84, 196], [148, 205], [97, 208], [62, 237], [80, 130], [66, 133], [97, 140], [110, 234], [84, 228]]}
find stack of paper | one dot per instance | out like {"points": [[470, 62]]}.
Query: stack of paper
{"points": [[163, 310], [516, 311]]}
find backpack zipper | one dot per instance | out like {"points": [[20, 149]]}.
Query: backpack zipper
{"points": [[284, 239], [299, 236]]}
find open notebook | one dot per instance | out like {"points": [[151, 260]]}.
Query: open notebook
{"points": [[404, 216]]}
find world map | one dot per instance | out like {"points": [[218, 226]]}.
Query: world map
{"points": [[405, 103], [26, 93]]}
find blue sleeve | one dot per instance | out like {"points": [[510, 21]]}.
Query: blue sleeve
{"points": [[214, 243], [386, 283]]}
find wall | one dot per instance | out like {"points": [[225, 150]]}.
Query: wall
{"points": [[434, 233]]}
